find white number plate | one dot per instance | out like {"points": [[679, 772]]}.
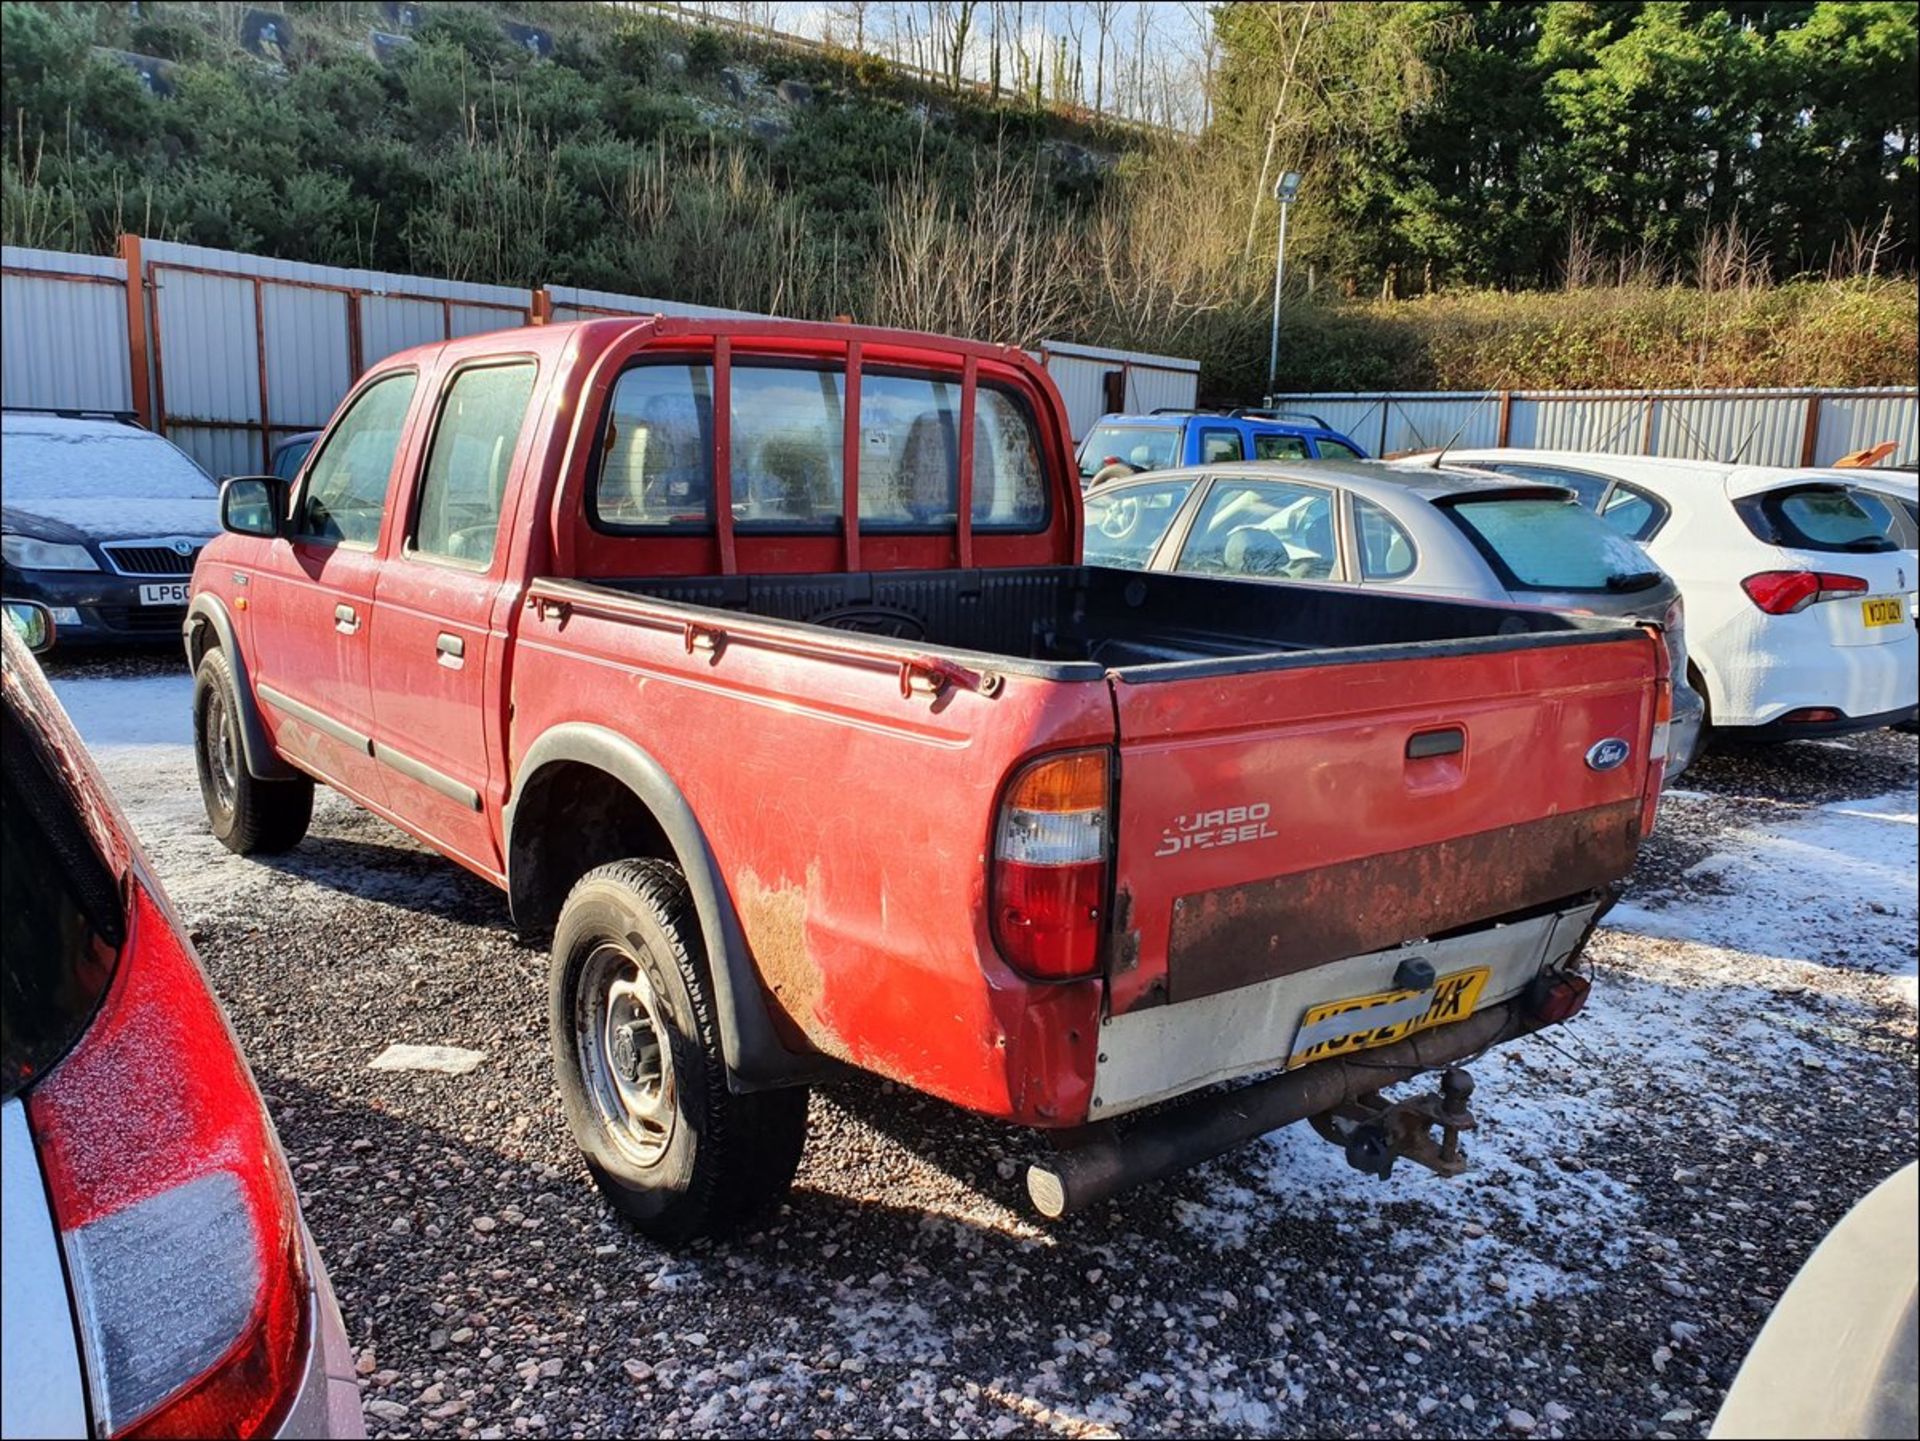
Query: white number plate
{"points": [[171, 592]]}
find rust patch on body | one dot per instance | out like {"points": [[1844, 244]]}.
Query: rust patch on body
{"points": [[774, 918], [1238, 935]]}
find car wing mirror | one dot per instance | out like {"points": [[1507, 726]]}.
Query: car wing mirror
{"points": [[253, 505], [33, 623]]}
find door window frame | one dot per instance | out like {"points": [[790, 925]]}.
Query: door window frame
{"points": [[417, 478], [297, 506]]}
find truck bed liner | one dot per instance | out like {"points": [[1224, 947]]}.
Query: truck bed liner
{"points": [[1070, 616]]}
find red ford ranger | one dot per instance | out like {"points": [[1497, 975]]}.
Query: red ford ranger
{"points": [[755, 661]]}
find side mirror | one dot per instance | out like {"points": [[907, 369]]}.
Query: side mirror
{"points": [[253, 504], [33, 623]]}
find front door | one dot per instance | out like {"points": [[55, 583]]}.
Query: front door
{"points": [[312, 601], [442, 607]]}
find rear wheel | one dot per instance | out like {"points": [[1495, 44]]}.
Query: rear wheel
{"points": [[642, 1077], [248, 815]]}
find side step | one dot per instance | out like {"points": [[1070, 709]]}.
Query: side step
{"points": [[1111, 1156]]}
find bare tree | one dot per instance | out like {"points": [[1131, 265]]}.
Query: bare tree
{"points": [[1103, 16]]}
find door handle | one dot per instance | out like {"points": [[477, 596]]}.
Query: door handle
{"points": [[1424, 745], [346, 619], [452, 650]]}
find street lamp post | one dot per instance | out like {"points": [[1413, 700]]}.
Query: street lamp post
{"points": [[1284, 191]]}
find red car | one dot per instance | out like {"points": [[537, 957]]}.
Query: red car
{"points": [[159, 1279], [756, 661]]}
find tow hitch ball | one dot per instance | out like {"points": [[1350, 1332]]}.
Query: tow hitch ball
{"points": [[1375, 1132]]}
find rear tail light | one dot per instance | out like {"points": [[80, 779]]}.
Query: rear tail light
{"points": [[1786, 592], [1552, 999], [1050, 865], [1675, 624], [174, 1206], [1659, 742], [1811, 715]]}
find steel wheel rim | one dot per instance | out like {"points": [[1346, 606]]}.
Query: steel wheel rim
{"points": [[626, 1053], [223, 761]]}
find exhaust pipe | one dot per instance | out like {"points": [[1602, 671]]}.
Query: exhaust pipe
{"points": [[1105, 1160]]}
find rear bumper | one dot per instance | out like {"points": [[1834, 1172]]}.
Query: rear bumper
{"points": [[1859, 681], [98, 607], [1683, 733], [1789, 730], [1155, 1053], [328, 1403]]}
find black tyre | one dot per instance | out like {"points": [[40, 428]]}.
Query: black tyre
{"points": [[636, 1044], [248, 815]]}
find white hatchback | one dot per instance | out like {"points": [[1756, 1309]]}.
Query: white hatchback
{"points": [[1799, 583]]}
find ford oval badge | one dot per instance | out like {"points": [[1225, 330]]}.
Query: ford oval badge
{"points": [[1609, 754]]}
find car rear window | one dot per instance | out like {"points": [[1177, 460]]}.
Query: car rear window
{"points": [[1543, 543], [1817, 517], [1144, 447], [60, 923]]}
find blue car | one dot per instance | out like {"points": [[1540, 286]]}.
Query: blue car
{"points": [[1128, 444]]}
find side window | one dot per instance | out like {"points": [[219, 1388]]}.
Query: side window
{"points": [[656, 457], [1220, 445], [1126, 523], [1386, 550], [1633, 512], [1279, 447], [787, 424], [1265, 528], [346, 485], [1331, 449], [468, 464]]}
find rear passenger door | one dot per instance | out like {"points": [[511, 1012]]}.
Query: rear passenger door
{"points": [[1266, 530], [442, 609]]}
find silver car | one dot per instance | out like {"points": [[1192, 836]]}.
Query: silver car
{"points": [[1431, 531]]}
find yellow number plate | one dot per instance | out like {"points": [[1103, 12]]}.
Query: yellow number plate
{"points": [[1340, 1028], [1887, 611]]}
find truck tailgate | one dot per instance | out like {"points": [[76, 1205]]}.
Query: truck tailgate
{"points": [[1277, 817]]}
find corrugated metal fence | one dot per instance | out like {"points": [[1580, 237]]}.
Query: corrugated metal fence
{"points": [[1759, 427], [227, 353]]}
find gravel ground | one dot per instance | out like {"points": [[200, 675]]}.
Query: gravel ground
{"points": [[1647, 1180]]}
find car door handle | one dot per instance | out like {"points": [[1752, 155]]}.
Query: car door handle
{"points": [[346, 619], [452, 650]]}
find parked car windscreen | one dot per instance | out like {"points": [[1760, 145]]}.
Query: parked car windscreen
{"points": [[57, 459], [1545, 543], [1817, 517], [1144, 447]]}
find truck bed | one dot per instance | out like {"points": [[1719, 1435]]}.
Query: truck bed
{"points": [[1067, 622]]}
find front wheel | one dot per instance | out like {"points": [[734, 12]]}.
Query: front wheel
{"points": [[643, 1080], [248, 816]]}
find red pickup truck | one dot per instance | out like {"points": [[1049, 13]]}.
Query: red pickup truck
{"points": [[755, 661]]}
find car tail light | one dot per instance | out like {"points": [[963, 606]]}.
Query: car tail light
{"points": [[1785, 592], [1811, 715], [1552, 999], [1675, 624], [1050, 865], [1660, 741], [175, 1209]]}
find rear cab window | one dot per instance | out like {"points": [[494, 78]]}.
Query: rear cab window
{"points": [[1545, 543], [1818, 518], [787, 448], [1144, 447]]}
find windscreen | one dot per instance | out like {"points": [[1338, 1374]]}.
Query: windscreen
{"points": [[1544, 543], [1144, 447], [54, 459]]}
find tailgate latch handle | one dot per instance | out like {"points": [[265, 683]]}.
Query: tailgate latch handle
{"points": [[1424, 745]]}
